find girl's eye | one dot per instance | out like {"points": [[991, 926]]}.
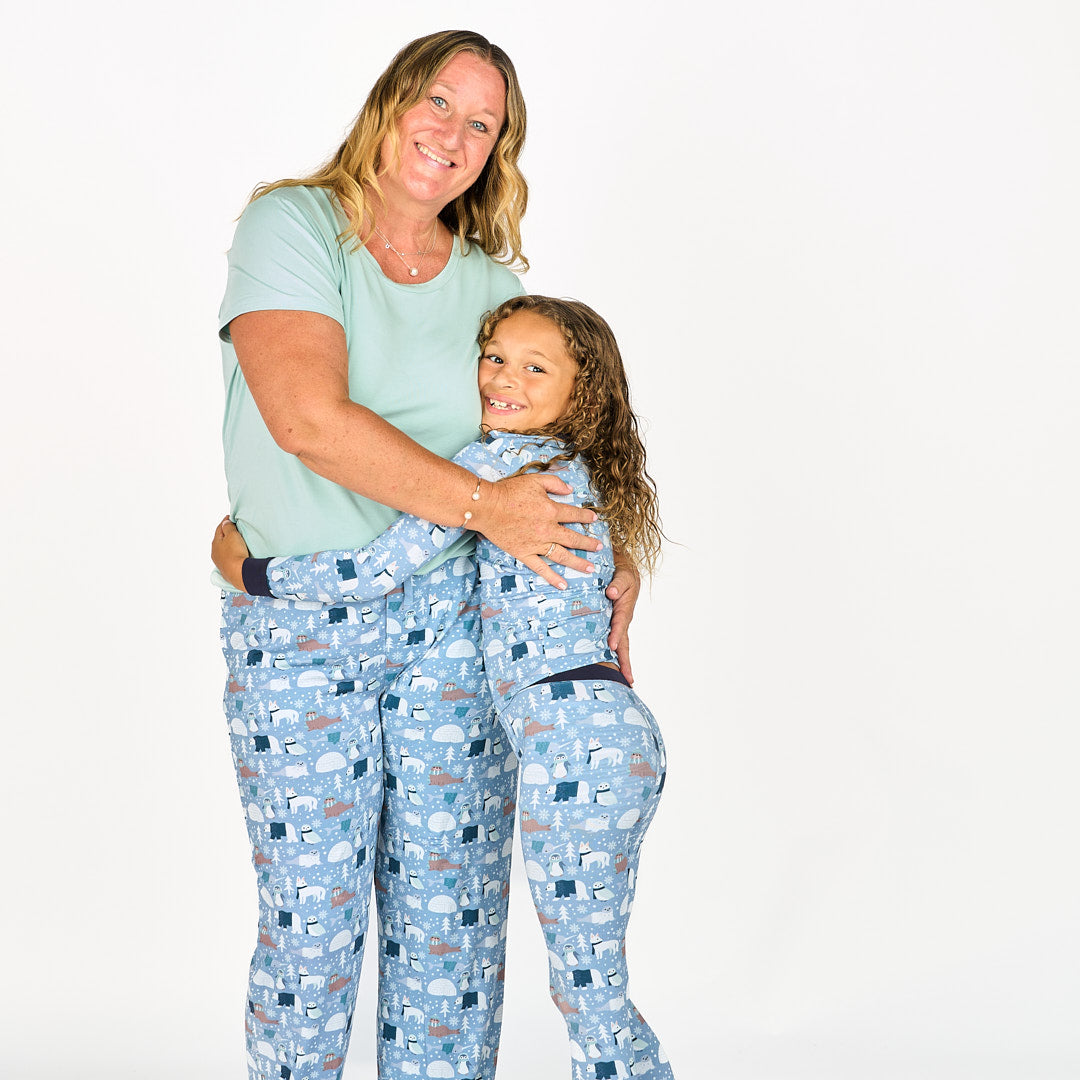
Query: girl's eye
{"points": [[438, 102], [535, 367], [491, 359]]}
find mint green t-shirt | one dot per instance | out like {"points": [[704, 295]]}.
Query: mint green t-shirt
{"points": [[412, 360]]}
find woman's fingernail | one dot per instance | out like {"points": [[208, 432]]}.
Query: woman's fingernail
{"points": [[615, 594]]}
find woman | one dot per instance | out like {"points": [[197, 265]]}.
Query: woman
{"points": [[347, 329]]}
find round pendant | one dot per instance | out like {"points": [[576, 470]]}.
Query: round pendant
{"points": [[414, 271]]}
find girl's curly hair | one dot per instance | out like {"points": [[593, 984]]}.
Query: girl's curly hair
{"points": [[599, 426]]}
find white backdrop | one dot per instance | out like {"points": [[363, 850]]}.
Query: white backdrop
{"points": [[838, 243]]}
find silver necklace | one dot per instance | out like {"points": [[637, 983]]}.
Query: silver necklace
{"points": [[413, 270]]}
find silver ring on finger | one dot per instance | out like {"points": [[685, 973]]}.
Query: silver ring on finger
{"points": [[547, 554]]}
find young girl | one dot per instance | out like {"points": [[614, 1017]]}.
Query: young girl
{"points": [[554, 396]]}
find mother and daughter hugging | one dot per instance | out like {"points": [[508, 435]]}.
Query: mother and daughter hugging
{"points": [[383, 698]]}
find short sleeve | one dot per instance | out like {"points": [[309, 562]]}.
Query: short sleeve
{"points": [[284, 256]]}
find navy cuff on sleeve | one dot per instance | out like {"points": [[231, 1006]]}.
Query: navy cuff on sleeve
{"points": [[255, 579]]}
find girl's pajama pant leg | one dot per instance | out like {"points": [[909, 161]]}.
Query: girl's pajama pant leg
{"points": [[310, 736], [443, 867], [592, 769]]}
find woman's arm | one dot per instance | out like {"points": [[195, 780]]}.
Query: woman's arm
{"points": [[296, 367], [356, 574], [623, 592]]}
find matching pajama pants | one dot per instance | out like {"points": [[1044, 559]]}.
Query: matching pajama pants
{"points": [[592, 768], [365, 744]]}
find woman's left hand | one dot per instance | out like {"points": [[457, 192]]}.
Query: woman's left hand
{"points": [[229, 551], [623, 592]]}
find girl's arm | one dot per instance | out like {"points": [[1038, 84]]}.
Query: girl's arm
{"points": [[329, 577], [352, 574]]}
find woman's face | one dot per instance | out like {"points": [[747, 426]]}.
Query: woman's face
{"points": [[445, 140], [526, 373]]}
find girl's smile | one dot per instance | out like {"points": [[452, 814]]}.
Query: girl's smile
{"points": [[526, 374]]}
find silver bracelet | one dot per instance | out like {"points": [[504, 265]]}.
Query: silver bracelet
{"points": [[468, 513]]}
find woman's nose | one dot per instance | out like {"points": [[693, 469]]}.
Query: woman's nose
{"points": [[450, 131]]}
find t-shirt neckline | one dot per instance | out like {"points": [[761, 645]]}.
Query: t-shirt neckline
{"points": [[437, 282], [440, 279]]}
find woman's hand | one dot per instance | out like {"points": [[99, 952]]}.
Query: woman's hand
{"points": [[229, 551], [517, 515], [623, 592]]}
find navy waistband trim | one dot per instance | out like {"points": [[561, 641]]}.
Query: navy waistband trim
{"points": [[596, 672]]}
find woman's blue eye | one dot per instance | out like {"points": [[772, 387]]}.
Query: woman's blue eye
{"points": [[480, 126], [438, 102]]}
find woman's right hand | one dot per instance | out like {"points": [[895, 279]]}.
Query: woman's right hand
{"points": [[228, 552], [517, 515]]}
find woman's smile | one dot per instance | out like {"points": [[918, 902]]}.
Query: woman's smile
{"points": [[429, 153]]}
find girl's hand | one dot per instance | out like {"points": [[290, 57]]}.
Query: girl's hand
{"points": [[517, 515], [623, 592], [229, 551]]}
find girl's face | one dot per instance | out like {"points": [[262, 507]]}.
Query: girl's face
{"points": [[526, 374]]}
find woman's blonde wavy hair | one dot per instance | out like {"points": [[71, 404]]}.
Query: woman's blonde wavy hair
{"points": [[599, 426], [489, 213]]}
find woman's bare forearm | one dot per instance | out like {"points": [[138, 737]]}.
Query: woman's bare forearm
{"points": [[359, 450], [296, 365]]}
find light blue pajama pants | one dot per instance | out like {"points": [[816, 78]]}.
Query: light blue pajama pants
{"points": [[364, 740], [592, 768]]}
